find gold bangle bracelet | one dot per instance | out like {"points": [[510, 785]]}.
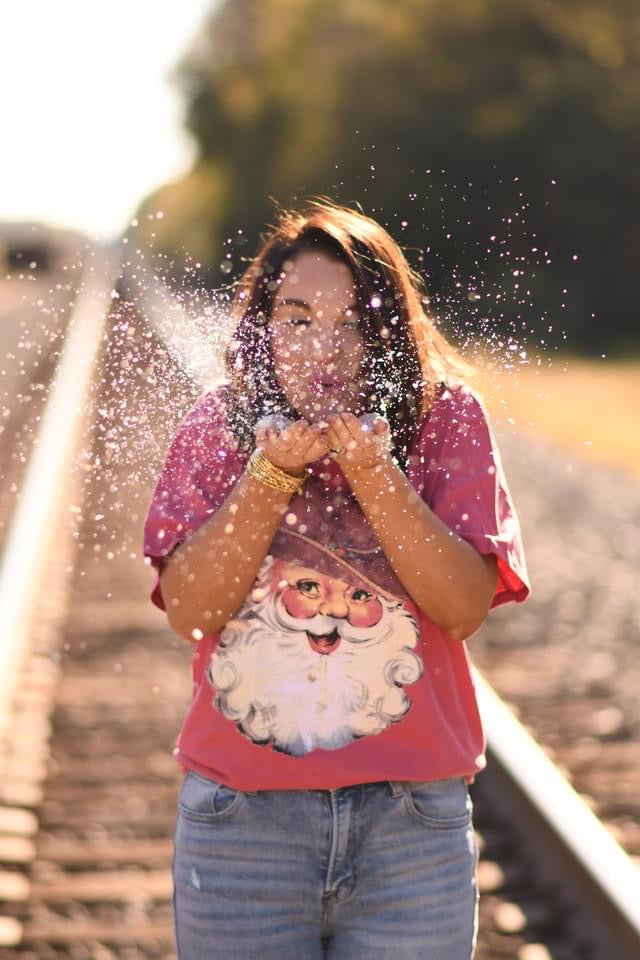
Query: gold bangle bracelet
{"points": [[272, 476]]}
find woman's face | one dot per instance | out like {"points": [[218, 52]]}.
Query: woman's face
{"points": [[316, 341]]}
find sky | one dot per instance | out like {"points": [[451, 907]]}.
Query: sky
{"points": [[90, 122]]}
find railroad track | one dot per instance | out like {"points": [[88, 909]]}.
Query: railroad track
{"points": [[93, 697]]}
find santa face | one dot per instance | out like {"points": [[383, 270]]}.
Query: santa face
{"points": [[313, 661], [312, 597]]}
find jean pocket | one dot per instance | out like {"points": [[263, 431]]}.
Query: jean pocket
{"points": [[443, 804], [205, 801]]}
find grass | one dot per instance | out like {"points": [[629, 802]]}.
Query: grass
{"points": [[591, 407]]}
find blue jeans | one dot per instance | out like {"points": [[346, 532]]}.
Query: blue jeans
{"points": [[382, 871]]}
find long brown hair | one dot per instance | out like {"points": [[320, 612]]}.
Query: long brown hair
{"points": [[406, 356]]}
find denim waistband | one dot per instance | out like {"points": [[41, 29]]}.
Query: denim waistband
{"points": [[396, 787]]}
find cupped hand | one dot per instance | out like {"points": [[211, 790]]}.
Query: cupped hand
{"points": [[354, 444], [291, 447]]}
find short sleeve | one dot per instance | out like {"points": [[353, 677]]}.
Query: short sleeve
{"points": [[465, 486], [201, 469]]}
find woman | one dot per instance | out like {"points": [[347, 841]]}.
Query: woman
{"points": [[330, 527]]}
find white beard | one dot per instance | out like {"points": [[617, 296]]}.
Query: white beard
{"points": [[279, 690]]}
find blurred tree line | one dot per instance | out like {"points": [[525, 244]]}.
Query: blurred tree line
{"points": [[496, 139]]}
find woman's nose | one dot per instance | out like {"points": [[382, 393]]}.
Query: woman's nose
{"points": [[328, 342]]}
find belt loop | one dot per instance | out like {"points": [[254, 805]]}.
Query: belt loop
{"points": [[396, 787]]}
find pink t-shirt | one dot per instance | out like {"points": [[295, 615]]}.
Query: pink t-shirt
{"points": [[329, 674]]}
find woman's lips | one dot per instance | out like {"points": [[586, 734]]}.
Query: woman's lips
{"points": [[325, 642], [328, 386]]}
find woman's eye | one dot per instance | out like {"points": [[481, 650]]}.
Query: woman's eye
{"points": [[299, 321], [352, 321]]}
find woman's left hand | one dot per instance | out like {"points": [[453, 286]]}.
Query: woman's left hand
{"points": [[355, 445]]}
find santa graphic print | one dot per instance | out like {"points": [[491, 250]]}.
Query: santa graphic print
{"points": [[313, 660]]}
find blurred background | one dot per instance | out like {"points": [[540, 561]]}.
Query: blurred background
{"points": [[496, 139]]}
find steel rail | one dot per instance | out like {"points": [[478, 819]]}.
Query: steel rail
{"points": [[30, 538], [569, 849], [177, 328]]}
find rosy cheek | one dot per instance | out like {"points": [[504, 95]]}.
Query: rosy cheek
{"points": [[365, 614], [297, 605]]}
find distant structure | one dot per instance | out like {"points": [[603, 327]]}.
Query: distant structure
{"points": [[37, 248], [39, 265]]}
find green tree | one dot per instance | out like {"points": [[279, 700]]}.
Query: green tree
{"points": [[453, 123]]}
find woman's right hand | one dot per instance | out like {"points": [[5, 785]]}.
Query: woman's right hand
{"points": [[292, 446]]}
